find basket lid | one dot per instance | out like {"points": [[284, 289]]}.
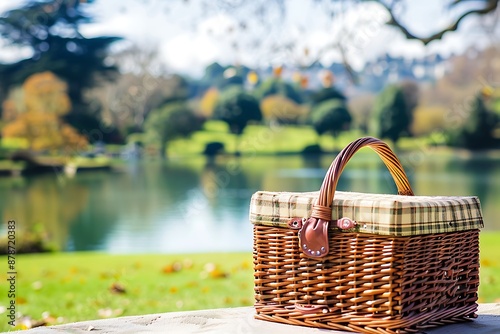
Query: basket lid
{"points": [[374, 213]]}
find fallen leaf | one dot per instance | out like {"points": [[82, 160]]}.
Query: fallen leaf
{"points": [[105, 312], [209, 267], [47, 273], [117, 288], [485, 263], [211, 270], [37, 285], [218, 274], [90, 328], [21, 300], [245, 301], [108, 312], [172, 268], [187, 263], [46, 316], [26, 322], [167, 269], [489, 279], [153, 303]]}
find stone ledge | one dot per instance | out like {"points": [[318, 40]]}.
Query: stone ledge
{"points": [[239, 321]]}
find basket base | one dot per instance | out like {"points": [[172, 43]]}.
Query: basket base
{"points": [[414, 324]]}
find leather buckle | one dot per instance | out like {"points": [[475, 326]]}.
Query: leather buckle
{"points": [[313, 237], [346, 223]]}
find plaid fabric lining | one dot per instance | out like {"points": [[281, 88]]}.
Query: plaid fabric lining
{"points": [[377, 214]]}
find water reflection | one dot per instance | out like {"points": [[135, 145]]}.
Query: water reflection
{"points": [[48, 201], [197, 205]]}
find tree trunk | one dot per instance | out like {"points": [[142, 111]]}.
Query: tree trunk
{"points": [[163, 150], [237, 144]]}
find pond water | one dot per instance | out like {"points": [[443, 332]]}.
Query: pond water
{"points": [[195, 205]]}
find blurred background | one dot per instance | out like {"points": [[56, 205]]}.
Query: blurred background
{"points": [[134, 133], [146, 125]]}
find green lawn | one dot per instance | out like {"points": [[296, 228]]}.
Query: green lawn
{"points": [[66, 287], [263, 139]]}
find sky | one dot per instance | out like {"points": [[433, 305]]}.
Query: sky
{"points": [[190, 36]]}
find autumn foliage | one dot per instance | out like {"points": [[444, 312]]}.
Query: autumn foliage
{"points": [[208, 102], [38, 118], [278, 108]]}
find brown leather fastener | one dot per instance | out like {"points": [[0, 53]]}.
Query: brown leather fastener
{"points": [[313, 237], [346, 223], [311, 309], [295, 223]]}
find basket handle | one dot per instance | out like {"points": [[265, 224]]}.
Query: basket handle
{"points": [[322, 208], [314, 232]]}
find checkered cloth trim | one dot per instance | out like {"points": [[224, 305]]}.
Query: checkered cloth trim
{"points": [[377, 214]]}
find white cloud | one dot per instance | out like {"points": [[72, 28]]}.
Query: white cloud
{"points": [[190, 36], [8, 5]]}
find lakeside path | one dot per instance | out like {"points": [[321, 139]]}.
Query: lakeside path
{"points": [[240, 320]]}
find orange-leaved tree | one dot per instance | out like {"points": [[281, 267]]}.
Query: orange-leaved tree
{"points": [[38, 118]]}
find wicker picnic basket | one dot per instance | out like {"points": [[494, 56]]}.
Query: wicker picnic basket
{"points": [[365, 263]]}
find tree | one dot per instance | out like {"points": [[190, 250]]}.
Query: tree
{"points": [[213, 72], [39, 120], [277, 108], [172, 120], [392, 118], [330, 116], [51, 29], [237, 108], [221, 77], [128, 102], [477, 132], [326, 93], [361, 108], [277, 86]]}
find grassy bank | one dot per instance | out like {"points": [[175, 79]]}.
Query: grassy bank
{"points": [[262, 139], [257, 139], [66, 287]]}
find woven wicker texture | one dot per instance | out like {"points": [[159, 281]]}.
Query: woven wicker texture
{"points": [[366, 283]]}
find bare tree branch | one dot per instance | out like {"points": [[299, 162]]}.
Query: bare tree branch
{"points": [[491, 5]]}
